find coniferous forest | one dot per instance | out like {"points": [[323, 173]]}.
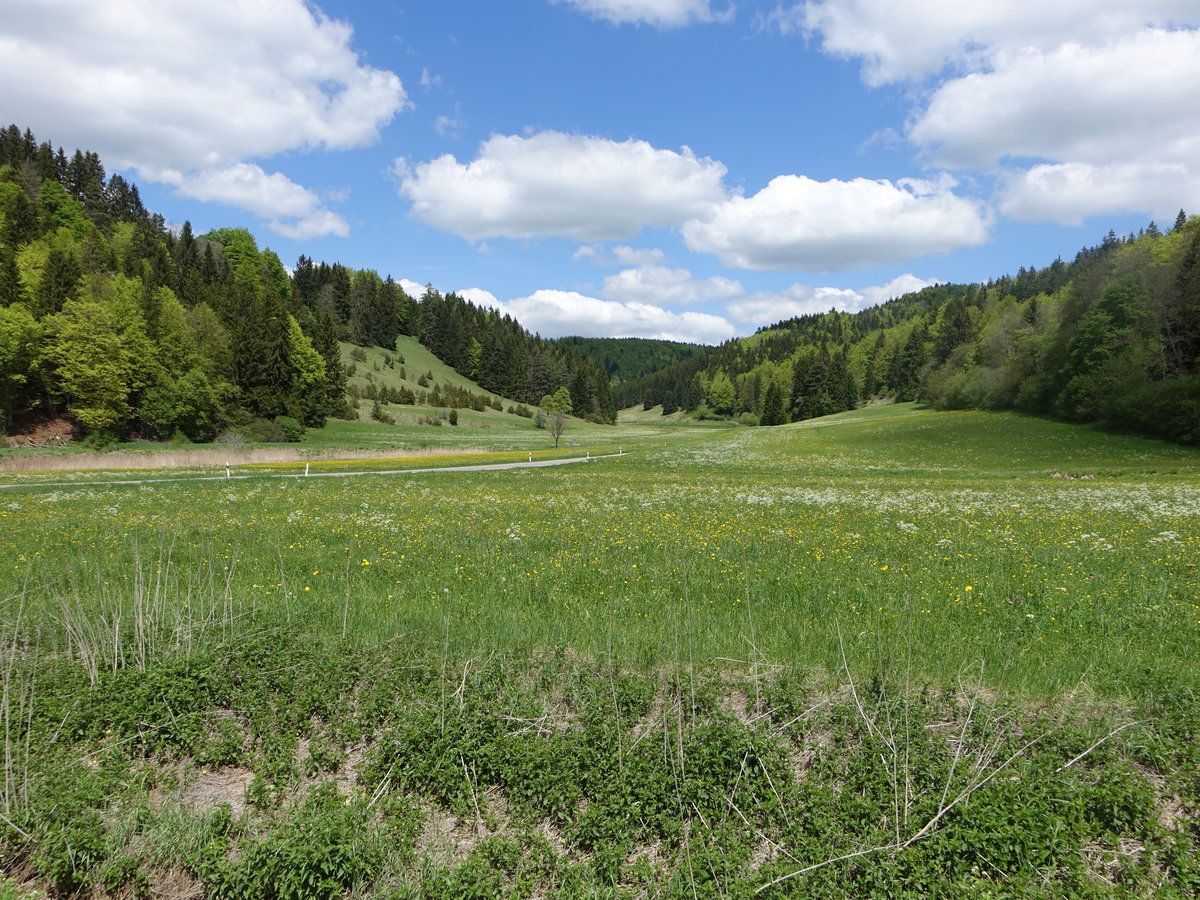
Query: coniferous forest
{"points": [[130, 328]]}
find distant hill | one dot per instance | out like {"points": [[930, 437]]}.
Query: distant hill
{"points": [[623, 359], [1111, 338]]}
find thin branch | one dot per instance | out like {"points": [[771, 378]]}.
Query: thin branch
{"points": [[1111, 734]]}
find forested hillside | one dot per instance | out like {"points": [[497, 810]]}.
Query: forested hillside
{"points": [[129, 328], [491, 349], [625, 358], [1112, 338]]}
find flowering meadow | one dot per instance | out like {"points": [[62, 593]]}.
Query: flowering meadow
{"points": [[1051, 557], [892, 652]]}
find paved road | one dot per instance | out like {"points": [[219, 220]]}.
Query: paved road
{"points": [[533, 464]]}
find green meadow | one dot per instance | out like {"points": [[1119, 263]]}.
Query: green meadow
{"points": [[890, 652]]}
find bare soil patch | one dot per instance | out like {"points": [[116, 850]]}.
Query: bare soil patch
{"points": [[55, 431], [211, 789]]}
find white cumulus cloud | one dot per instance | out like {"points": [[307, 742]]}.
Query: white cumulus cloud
{"points": [[900, 41], [1068, 193], [1082, 107], [659, 13], [768, 307], [183, 92], [798, 223], [553, 313], [897, 287], [481, 297], [555, 184], [1122, 100], [1111, 128], [412, 288], [291, 209], [619, 256], [662, 284]]}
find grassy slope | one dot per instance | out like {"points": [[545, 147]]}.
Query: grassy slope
{"points": [[728, 656], [418, 361]]}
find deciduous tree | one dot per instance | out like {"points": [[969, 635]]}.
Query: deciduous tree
{"points": [[557, 408]]}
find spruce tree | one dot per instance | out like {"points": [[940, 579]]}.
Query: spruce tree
{"points": [[773, 413], [325, 342]]}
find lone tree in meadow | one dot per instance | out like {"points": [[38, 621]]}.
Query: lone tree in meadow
{"points": [[557, 408]]}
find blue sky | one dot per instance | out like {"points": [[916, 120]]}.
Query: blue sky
{"points": [[688, 169]]}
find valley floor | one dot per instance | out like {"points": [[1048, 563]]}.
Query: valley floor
{"points": [[893, 652]]}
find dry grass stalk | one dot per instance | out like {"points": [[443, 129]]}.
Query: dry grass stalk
{"points": [[214, 458]]}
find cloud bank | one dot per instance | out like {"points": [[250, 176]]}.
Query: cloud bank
{"points": [[797, 223], [1077, 108], [187, 93]]}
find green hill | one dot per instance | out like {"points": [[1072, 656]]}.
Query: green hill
{"points": [[1110, 338]]}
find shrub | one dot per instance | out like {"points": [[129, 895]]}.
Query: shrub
{"points": [[100, 441], [292, 429], [265, 431], [379, 414]]}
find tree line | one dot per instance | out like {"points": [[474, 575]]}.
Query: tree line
{"points": [[1111, 338], [132, 329]]}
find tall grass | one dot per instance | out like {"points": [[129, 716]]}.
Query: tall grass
{"points": [[212, 458], [800, 545]]}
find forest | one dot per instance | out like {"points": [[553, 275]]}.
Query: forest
{"points": [[1111, 338], [134, 329]]}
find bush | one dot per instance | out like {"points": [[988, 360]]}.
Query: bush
{"points": [[100, 441], [292, 430], [379, 414], [454, 417], [265, 432]]}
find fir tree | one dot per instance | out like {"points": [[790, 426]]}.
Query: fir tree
{"points": [[773, 413]]}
